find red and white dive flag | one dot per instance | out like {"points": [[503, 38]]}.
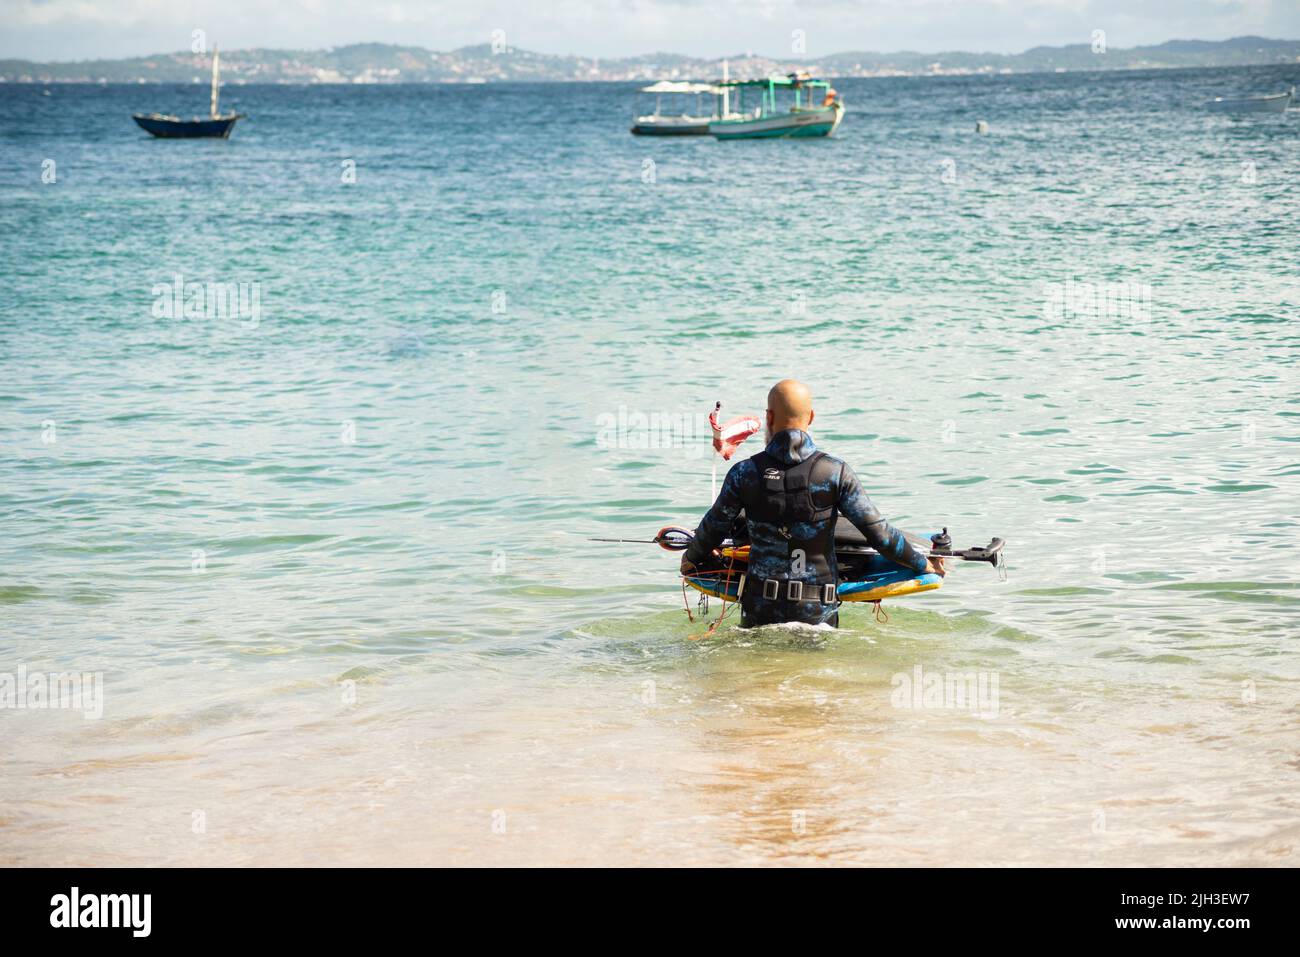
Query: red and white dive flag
{"points": [[728, 436]]}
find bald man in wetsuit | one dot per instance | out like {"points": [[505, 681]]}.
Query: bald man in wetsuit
{"points": [[792, 493]]}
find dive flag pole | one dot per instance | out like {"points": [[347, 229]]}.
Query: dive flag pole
{"points": [[717, 449]]}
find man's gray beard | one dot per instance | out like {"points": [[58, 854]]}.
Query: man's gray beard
{"points": [[767, 435]]}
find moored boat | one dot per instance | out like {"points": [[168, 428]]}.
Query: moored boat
{"points": [[1267, 103], [215, 125], [684, 123], [816, 109], [173, 127]]}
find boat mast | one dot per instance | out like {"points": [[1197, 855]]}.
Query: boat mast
{"points": [[216, 55]]}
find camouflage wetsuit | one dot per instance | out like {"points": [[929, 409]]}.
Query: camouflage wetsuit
{"points": [[791, 494]]}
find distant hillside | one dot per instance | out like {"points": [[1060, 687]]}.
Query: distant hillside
{"points": [[384, 63]]}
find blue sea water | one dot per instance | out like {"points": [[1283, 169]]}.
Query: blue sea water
{"points": [[330, 554]]}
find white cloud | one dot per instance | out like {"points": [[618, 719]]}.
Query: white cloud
{"points": [[82, 29]]}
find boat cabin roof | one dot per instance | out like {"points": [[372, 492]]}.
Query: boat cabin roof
{"points": [[794, 80], [674, 86]]}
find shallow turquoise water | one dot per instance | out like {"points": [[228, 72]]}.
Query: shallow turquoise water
{"points": [[333, 564]]}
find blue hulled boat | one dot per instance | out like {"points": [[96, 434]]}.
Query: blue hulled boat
{"points": [[173, 127], [216, 124]]}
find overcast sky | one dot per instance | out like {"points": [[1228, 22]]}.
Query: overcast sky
{"points": [[91, 29]]}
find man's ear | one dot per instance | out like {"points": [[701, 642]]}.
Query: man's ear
{"points": [[812, 414], [770, 419]]}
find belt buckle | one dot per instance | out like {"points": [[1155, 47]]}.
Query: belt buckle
{"points": [[828, 593], [771, 588], [794, 590]]}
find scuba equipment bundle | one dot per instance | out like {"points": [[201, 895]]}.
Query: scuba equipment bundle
{"points": [[864, 574]]}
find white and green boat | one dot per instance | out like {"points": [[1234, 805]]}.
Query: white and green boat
{"points": [[679, 119], [814, 110]]}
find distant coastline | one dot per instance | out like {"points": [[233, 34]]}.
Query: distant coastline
{"points": [[386, 63]]}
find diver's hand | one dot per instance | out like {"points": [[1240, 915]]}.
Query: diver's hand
{"points": [[935, 567], [688, 567]]}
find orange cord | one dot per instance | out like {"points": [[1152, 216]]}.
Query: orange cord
{"points": [[686, 603], [724, 581]]}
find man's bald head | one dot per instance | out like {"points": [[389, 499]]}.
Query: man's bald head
{"points": [[789, 406]]}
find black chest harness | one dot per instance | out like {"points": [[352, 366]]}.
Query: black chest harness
{"points": [[787, 498]]}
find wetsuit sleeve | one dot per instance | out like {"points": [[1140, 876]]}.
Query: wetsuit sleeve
{"points": [[866, 518], [717, 521]]}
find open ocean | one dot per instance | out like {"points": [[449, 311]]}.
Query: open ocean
{"points": [[329, 553]]}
